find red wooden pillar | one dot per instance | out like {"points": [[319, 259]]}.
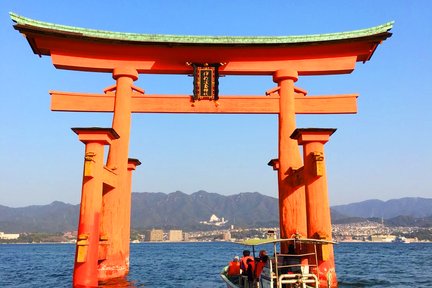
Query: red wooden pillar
{"points": [[292, 209], [317, 203], [117, 201], [118, 154], [132, 164], [86, 256]]}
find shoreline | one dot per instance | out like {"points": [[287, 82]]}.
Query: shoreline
{"points": [[180, 242]]}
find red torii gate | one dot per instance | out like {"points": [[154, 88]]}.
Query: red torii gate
{"points": [[104, 225]]}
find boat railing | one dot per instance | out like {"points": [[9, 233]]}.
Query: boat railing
{"points": [[302, 279], [289, 269], [287, 260], [295, 255]]}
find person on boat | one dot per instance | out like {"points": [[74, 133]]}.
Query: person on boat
{"points": [[234, 267], [244, 261], [247, 266], [250, 272], [293, 261], [260, 263]]}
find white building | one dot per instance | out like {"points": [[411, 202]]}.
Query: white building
{"points": [[8, 236], [215, 221]]}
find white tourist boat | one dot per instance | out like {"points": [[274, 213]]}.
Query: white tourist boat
{"points": [[401, 239], [276, 272]]}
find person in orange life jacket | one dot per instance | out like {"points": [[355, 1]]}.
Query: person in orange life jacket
{"points": [[234, 267], [262, 260], [244, 261], [250, 271]]}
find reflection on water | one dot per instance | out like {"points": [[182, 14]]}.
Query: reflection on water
{"points": [[119, 282]]}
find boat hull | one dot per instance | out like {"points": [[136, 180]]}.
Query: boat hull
{"points": [[228, 282]]}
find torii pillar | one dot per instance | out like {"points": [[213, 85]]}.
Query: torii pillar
{"points": [[88, 240], [292, 208], [132, 165], [317, 203], [116, 217]]}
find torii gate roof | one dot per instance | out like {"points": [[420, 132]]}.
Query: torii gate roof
{"points": [[96, 50]]}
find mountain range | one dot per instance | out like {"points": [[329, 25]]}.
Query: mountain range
{"points": [[410, 206], [183, 211], [179, 210]]}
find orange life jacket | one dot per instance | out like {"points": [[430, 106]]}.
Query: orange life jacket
{"points": [[258, 268], [243, 263], [233, 268]]}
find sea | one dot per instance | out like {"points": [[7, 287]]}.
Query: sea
{"points": [[198, 264]]}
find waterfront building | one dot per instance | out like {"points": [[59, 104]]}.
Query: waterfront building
{"points": [[382, 238], [186, 236], [226, 236], [5, 236], [154, 235], [175, 235]]}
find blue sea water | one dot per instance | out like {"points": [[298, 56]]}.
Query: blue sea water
{"points": [[198, 265]]}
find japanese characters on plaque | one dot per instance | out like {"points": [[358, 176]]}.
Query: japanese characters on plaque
{"points": [[206, 81]]}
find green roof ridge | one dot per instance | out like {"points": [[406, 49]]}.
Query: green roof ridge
{"points": [[194, 39]]}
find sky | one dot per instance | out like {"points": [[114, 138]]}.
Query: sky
{"points": [[382, 152]]}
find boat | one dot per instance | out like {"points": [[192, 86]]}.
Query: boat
{"points": [[401, 239], [279, 270]]}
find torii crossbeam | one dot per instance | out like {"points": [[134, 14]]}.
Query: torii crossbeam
{"points": [[245, 104]]}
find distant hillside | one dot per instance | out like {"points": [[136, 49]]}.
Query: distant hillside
{"points": [[55, 217], [409, 221], [180, 210], [337, 216], [414, 206], [186, 211], [174, 210]]}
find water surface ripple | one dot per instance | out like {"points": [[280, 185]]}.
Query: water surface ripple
{"points": [[198, 265]]}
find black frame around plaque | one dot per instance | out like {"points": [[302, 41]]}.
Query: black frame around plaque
{"points": [[198, 91]]}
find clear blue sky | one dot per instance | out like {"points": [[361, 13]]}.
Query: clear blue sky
{"points": [[383, 152]]}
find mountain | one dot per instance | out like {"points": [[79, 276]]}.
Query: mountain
{"points": [[409, 221], [411, 206], [55, 217], [151, 210], [183, 211], [180, 210], [337, 216]]}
